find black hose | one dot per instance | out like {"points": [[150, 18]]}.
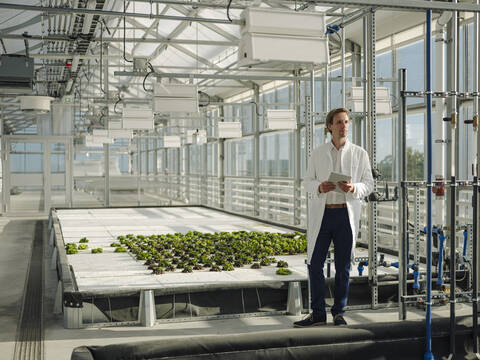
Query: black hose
{"points": [[152, 70], [115, 106], [228, 10]]}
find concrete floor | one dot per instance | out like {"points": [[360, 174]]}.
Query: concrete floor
{"points": [[16, 240]]}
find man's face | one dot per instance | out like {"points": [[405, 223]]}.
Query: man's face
{"points": [[339, 127]]}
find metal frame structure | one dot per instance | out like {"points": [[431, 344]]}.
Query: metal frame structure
{"points": [[173, 182]]}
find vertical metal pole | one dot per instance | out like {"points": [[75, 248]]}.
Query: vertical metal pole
{"points": [[475, 219], [256, 150], [357, 81], [70, 149], [403, 199], [221, 162], [139, 168], [309, 111], [366, 65], [326, 98], [453, 161], [372, 150], [47, 176], [474, 266], [106, 169], [343, 63], [106, 147], [3, 154], [428, 88], [187, 150], [297, 195], [416, 234]]}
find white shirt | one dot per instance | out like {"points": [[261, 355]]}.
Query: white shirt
{"points": [[334, 197]]}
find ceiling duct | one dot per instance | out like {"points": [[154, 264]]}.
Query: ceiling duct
{"points": [[175, 98], [16, 74], [282, 35], [35, 103]]}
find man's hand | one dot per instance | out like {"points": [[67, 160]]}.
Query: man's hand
{"points": [[327, 186], [346, 186]]}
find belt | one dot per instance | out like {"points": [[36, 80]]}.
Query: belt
{"points": [[336, 206]]}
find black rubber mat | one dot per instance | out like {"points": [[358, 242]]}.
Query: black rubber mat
{"points": [[371, 341], [29, 341]]}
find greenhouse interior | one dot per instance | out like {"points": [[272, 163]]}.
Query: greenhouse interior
{"points": [[216, 179]]}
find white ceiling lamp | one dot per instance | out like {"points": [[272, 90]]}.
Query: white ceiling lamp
{"points": [[88, 18], [35, 103], [281, 119], [136, 117], [120, 134], [282, 35], [175, 98], [229, 130], [171, 141], [382, 100]]}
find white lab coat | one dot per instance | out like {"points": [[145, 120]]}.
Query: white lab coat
{"points": [[354, 162]]}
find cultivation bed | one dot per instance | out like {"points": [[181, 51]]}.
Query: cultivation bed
{"points": [[111, 272]]}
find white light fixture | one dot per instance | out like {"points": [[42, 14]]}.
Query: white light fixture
{"points": [[114, 124], [382, 100], [229, 130], [97, 141], [281, 119], [120, 134], [35, 103], [282, 35], [88, 18], [171, 141], [175, 98], [135, 117]]}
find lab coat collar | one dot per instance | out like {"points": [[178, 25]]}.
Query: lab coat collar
{"points": [[344, 147]]}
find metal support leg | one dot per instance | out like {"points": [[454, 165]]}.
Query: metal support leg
{"points": [[53, 261], [294, 302], [52, 236], [57, 305], [72, 317], [146, 310]]}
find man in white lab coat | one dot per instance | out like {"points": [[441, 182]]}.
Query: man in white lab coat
{"points": [[334, 215]]}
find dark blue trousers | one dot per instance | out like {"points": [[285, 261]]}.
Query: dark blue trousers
{"points": [[336, 227]]}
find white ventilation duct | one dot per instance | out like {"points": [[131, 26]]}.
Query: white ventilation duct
{"points": [[382, 100], [282, 35], [171, 141], [281, 119], [35, 103], [175, 98], [135, 117], [229, 130]]}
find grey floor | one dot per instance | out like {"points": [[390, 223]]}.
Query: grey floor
{"points": [[16, 241]]}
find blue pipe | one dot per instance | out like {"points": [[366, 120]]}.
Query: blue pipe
{"points": [[428, 319], [465, 246], [441, 239]]}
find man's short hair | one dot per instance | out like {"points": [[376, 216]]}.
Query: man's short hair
{"points": [[332, 113]]}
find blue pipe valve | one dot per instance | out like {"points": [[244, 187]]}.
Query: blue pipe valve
{"points": [[361, 264]]}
